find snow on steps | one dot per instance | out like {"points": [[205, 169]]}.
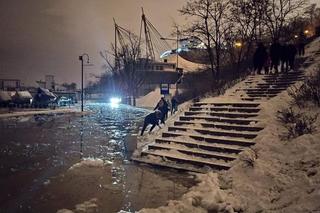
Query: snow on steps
{"points": [[210, 135], [219, 125], [214, 132], [213, 143], [219, 119]]}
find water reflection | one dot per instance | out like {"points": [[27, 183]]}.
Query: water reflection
{"points": [[36, 149]]}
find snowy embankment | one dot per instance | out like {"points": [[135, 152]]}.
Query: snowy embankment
{"points": [[281, 176], [42, 112]]}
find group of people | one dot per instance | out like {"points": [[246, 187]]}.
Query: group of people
{"points": [[279, 55], [160, 113]]}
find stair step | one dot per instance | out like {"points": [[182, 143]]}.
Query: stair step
{"points": [[275, 84], [196, 161], [250, 99], [229, 109], [219, 119], [214, 132], [222, 114], [211, 139], [203, 145], [220, 126], [169, 165], [234, 104], [193, 151], [265, 90], [261, 95]]}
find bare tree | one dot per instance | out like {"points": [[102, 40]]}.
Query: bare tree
{"points": [[208, 23], [127, 69], [279, 12], [246, 17]]}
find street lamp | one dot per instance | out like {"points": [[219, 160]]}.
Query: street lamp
{"points": [[81, 59], [238, 44]]}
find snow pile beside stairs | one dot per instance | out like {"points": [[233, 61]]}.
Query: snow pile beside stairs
{"points": [[206, 196]]}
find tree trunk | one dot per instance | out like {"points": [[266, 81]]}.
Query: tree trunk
{"points": [[209, 50]]}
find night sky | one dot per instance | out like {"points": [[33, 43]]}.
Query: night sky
{"points": [[47, 36]]}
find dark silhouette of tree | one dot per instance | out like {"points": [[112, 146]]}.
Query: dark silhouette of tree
{"points": [[246, 17], [209, 23], [127, 71], [278, 14]]}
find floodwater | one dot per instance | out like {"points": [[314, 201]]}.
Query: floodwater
{"points": [[54, 162]]}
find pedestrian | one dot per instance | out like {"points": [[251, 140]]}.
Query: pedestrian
{"points": [[163, 106], [152, 118], [259, 58], [275, 49], [301, 43], [292, 51], [174, 105], [284, 58]]}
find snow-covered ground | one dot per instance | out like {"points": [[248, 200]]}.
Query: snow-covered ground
{"points": [[285, 176], [40, 112]]}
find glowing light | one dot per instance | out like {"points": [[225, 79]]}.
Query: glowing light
{"points": [[306, 31], [238, 44], [115, 101], [296, 36]]}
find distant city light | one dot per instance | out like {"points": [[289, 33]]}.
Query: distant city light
{"points": [[115, 101]]}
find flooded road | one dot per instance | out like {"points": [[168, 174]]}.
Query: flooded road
{"points": [[54, 162]]}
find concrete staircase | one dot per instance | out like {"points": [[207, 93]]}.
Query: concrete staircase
{"points": [[270, 85], [210, 135]]}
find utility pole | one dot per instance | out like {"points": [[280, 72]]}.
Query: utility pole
{"points": [[81, 59]]}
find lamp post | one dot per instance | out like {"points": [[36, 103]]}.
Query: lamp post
{"points": [[81, 59], [177, 54]]}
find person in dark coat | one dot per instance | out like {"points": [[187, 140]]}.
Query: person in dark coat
{"points": [[301, 43], [152, 118], [292, 51], [163, 106], [259, 58], [174, 105], [284, 58], [275, 49]]}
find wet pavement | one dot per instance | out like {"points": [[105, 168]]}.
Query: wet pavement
{"points": [[53, 162]]}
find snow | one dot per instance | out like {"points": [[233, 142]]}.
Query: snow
{"points": [[89, 206], [284, 177], [90, 162], [40, 112]]}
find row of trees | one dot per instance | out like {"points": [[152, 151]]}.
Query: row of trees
{"points": [[219, 24], [222, 23]]}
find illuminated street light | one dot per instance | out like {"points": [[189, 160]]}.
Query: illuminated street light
{"points": [[306, 32], [81, 59], [238, 44]]}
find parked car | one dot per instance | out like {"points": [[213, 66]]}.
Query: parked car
{"points": [[43, 98]]}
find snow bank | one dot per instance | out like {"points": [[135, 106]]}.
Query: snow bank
{"points": [[89, 206], [205, 197]]}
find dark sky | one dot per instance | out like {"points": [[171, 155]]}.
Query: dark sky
{"points": [[47, 36]]}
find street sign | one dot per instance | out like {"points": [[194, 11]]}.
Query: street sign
{"points": [[164, 89]]}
